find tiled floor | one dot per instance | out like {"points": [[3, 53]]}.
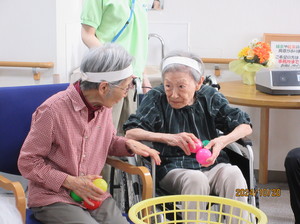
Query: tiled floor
{"points": [[277, 208]]}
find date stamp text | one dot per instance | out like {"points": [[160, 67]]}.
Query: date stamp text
{"points": [[261, 192]]}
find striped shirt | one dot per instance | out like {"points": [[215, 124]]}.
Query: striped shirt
{"points": [[210, 112], [62, 142]]}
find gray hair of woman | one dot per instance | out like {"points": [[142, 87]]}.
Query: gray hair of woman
{"points": [[108, 57], [176, 62]]}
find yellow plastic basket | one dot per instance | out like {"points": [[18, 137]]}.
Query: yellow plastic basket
{"points": [[206, 209]]}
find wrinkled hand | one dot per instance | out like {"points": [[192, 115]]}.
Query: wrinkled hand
{"points": [[181, 140], [83, 186], [216, 145], [143, 150]]}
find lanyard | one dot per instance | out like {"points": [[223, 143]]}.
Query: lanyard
{"points": [[127, 22]]}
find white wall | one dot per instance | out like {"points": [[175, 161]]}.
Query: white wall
{"points": [[39, 31], [70, 48], [27, 29], [220, 28], [49, 30]]}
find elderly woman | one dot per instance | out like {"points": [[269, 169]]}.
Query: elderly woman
{"points": [[179, 112], [70, 138]]}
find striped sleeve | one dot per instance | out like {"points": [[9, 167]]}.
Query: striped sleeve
{"points": [[148, 115], [227, 117]]}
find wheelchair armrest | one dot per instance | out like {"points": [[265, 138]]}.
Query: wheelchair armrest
{"points": [[142, 171], [19, 193], [244, 141]]}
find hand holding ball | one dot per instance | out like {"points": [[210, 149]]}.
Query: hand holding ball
{"points": [[92, 207], [198, 146], [100, 183], [75, 197], [205, 142], [202, 154]]}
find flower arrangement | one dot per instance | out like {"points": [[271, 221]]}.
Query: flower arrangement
{"points": [[251, 59]]}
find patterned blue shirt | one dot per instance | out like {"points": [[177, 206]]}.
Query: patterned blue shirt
{"points": [[210, 112]]}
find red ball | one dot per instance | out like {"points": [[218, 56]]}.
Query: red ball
{"points": [[198, 145], [92, 207], [202, 155]]}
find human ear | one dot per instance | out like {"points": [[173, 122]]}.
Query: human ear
{"points": [[103, 88], [199, 84]]}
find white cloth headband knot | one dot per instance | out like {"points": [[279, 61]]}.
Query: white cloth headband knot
{"points": [[183, 61], [113, 76]]}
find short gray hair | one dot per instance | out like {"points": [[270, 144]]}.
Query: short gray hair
{"points": [[106, 58], [183, 68]]}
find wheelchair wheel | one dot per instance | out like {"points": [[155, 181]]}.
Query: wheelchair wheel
{"points": [[133, 190], [124, 188], [118, 188]]}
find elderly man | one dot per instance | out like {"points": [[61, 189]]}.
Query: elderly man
{"points": [[179, 112], [70, 138]]}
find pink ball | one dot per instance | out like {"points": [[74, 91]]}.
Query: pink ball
{"points": [[202, 155], [198, 145]]}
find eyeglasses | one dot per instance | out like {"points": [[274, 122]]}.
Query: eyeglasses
{"points": [[130, 86]]}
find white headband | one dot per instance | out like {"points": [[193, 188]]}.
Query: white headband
{"points": [[183, 61], [107, 76]]}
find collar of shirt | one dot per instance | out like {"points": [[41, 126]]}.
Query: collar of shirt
{"points": [[91, 109]]}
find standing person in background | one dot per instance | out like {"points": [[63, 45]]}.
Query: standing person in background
{"points": [[126, 23]]}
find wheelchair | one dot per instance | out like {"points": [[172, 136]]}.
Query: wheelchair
{"points": [[240, 154]]}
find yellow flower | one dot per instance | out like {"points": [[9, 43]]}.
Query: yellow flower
{"points": [[250, 54], [252, 59], [244, 52]]}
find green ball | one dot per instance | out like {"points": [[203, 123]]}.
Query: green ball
{"points": [[205, 142], [75, 197]]}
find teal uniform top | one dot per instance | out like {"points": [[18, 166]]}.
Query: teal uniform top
{"points": [[109, 16]]}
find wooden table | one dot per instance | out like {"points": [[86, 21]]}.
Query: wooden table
{"points": [[246, 95]]}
